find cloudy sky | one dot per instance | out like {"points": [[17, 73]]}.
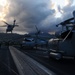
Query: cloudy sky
{"points": [[45, 14]]}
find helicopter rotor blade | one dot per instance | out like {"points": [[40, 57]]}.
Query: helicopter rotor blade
{"points": [[65, 22], [36, 28], [14, 20], [6, 23], [38, 31], [3, 26], [16, 25]]}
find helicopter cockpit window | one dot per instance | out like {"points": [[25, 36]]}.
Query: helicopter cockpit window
{"points": [[64, 34]]}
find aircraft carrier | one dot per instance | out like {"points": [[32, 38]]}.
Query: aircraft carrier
{"points": [[17, 61]]}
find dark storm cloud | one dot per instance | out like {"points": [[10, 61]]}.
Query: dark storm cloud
{"points": [[36, 12], [30, 12], [66, 12]]}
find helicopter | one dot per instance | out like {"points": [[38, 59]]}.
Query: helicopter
{"points": [[64, 44], [34, 40], [10, 27]]}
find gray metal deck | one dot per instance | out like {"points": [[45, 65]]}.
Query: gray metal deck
{"points": [[28, 66]]}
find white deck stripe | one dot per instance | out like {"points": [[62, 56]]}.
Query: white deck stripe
{"points": [[26, 59]]}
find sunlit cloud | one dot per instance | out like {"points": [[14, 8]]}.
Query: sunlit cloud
{"points": [[57, 12], [43, 13], [4, 4], [59, 5], [68, 2]]}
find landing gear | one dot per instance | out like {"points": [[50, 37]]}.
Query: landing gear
{"points": [[8, 31], [11, 31], [55, 55]]}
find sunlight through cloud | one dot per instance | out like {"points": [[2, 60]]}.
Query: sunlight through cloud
{"points": [[4, 6]]}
